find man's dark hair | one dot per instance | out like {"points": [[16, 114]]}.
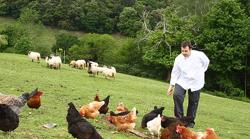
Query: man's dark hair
{"points": [[186, 44]]}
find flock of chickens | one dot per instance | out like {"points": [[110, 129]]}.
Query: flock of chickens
{"points": [[10, 108], [123, 119]]}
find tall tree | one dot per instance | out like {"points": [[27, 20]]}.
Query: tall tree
{"points": [[225, 40], [161, 43], [129, 22]]}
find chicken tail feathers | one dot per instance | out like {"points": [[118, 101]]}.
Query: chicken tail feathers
{"points": [[106, 100]]}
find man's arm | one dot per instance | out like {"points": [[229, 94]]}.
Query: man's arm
{"points": [[175, 74], [205, 61]]}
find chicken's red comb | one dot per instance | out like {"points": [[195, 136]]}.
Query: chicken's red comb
{"points": [[39, 93], [178, 128]]}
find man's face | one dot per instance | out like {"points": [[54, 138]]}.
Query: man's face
{"points": [[186, 51]]}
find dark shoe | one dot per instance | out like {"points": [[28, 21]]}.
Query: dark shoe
{"points": [[190, 125]]}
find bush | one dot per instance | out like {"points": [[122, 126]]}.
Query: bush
{"points": [[23, 45], [97, 47], [236, 92]]}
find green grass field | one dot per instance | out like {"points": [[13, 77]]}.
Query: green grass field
{"points": [[229, 118]]}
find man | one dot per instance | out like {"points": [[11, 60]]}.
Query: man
{"points": [[188, 74]]}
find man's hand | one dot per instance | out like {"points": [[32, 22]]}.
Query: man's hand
{"points": [[170, 90]]}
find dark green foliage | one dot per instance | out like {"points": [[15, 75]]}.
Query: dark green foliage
{"points": [[96, 47], [23, 45], [12, 7], [64, 41], [129, 22], [246, 5], [99, 16], [96, 18], [29, 16], [131, 62], [13, 33], [225, 40]]}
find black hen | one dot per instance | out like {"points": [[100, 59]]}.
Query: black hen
{"points": [[104, 109], [166, 121], [151, 115], [79, 127], [9, 120]]}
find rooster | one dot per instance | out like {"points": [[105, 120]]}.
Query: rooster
{"points": [[124, 120], [9, 120], [151, 115], [154, 126], [79, 127], [91, 110], [185, 133], [35, 100], [104, 109], [16, 102]]}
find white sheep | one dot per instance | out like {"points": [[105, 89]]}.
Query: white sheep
{"points": [[81, 64], [34, 56], [72, 63], [94, 70], [109, 72], [92, 63], [54, 62]]}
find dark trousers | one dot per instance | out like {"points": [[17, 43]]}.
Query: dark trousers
{"points": [[193, 100]]}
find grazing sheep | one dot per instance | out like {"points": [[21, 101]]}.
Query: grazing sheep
{"points": [[94, 63], [34, 56], [88, 62], [109, 72], [54, 62], [81, 64], [94, 70], [72, 63]]}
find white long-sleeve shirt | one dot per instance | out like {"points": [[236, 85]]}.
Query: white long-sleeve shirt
{"points": [[189, 72]]}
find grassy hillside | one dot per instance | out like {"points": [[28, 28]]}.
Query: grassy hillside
{"points": [[44, 36], [229, 118]]}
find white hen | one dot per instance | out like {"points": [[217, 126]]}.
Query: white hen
{"points": [[154, 126]]}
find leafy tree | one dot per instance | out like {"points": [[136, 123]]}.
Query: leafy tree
{"points": [[225, 38], [161, 43], [12, 7], [13, 33], [63, 43], [129, 22], [96, 47], [29, 16], [3, 42], [128, 3], [23, 45], [96, 17], [246, 5], [155, 4]]}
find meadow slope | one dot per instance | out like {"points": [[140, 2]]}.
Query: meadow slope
{"points": [[230, 118]]}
